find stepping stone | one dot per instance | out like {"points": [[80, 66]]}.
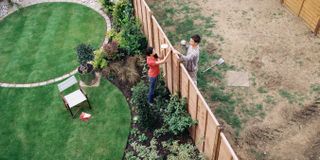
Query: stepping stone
{"points": [[238, 79]]}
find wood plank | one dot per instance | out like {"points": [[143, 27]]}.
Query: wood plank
{"points": [[316, 31], [184, 85], [144, 20], [294, 5], [176, 74], [192, 107], [135, 8], [211, 138], [156, 37], [139, 11], [150, 28], [202, 115], [226, 152]]}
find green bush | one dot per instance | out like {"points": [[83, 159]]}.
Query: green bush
{"points": [[131, 39], [108, 6], [99, 62], [182, 151], [147, 115], [122, 12], [127, 30], [84, 53], [176, 117]]}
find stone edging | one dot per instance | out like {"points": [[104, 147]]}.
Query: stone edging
{"points": [[93, 4], [37, 84]]}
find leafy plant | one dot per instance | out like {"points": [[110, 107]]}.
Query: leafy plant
{"points": [[84, 53], [108, 5], [134, 132], [159, 132], [122, 12], [145, 152], [99, 62], [132, 40], [111, 50], [142, 138], [182, 151], [176, 117], [148, 117]]}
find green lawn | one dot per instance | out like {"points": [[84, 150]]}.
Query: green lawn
{"points": [[37, 42], [35, 125]]}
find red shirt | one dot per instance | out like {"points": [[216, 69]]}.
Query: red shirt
{"points": [[154, 69]]}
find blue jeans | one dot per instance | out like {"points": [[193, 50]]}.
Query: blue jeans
{"points": [[153, 81]]}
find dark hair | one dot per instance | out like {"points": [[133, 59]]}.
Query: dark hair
{"points": [[196, 38], [149, 51]]}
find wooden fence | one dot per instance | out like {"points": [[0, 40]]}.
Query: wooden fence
{"points": [[308, 10], [207, 133]]}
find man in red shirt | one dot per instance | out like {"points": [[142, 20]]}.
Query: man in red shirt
{"points": [[154, 70]]}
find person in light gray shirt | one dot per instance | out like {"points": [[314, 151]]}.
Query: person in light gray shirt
{"points": [[191, 59]]}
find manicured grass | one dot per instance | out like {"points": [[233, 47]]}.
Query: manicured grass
{"points": [[37, 42], [35, 125]]}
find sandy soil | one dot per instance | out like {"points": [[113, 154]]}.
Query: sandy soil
{"points": [[280, 52]]}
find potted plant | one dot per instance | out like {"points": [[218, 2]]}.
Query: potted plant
{"points": [[86, 69]]}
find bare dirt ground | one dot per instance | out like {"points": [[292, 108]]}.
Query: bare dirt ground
{"points": [[283, 57], [280, 52]]}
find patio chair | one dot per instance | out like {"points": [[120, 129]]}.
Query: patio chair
{"points": [[74, 98]]}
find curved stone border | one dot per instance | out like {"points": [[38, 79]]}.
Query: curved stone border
{"points": [[37, 84], [93, 4]]}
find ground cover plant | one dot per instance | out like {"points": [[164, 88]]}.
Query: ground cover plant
{"points": [[36, 125], [38, 42]]}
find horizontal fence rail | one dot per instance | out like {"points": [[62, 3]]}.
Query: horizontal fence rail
{"points": [[308, 10], [207, 133]]}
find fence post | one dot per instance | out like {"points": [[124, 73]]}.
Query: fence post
{"points": [[301, 7], [216, 148], [150, 29], [317, 27]]}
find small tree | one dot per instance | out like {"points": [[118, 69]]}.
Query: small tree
{"points": [[85, 53]]}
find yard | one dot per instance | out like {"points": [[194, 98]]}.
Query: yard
{"points": [[37, 44], [42, 42], [276, 117]]}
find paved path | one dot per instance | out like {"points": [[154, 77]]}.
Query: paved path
{"points": [[93, 4]]}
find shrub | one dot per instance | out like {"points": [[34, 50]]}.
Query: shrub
{"points": [[147, 116], [99, 62], [144, 152], [176, 117], [85, 53], [108, 6], [126, 71], [111, 50], [132, 72], [122, 12], [132, 39], [182, 151]]}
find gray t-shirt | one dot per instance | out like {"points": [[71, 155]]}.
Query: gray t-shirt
{"points": [[191, 59]]}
